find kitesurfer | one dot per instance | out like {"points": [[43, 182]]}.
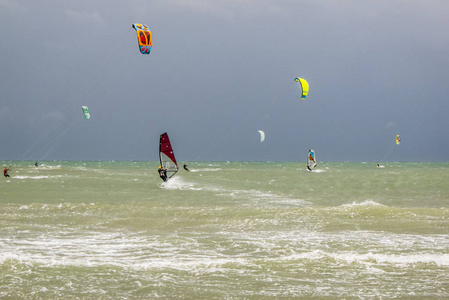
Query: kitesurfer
{"points": [[36, 164], [5, 171], [185, 168], [162, 173]]}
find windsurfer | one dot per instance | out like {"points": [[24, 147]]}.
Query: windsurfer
{"points": [[162, 173], [5, 171], [311, 162], [185, 168]]}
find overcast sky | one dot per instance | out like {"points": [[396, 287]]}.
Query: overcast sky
{"points": [[218, 72]]}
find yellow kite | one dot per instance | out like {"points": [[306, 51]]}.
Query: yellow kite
{"points": [[304, 87]]}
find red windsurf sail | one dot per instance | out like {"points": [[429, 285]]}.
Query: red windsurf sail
{"points": [[166, 155]]}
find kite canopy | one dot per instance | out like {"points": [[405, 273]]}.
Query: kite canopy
{"points": [[262, 135], [304, 87], [144, 37], [86, 112], [398, 139]]}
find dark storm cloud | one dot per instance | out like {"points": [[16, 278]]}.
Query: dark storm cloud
{"points": [[218, 72]]}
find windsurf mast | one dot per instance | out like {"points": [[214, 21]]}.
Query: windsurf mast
{"points": [[166, 155]]}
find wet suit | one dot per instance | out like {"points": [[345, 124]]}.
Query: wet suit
{"points": [[163, 174], [185, 168]]}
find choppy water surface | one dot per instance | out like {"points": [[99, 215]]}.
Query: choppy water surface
{"points": [[224, 230]]}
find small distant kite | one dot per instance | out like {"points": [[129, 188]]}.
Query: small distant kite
{"points": [[144, 37], [304, 86], [262, 136], [86, 112], [398, 139]]}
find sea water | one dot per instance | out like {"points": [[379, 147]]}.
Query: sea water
{"points": [[252, 230]]}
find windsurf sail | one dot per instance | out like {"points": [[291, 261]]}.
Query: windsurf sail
{"points": [[311, 160], [86, 112], [166, 155], [262, 135]]}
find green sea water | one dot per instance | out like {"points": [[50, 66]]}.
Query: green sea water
{"points": [[225, 230]]}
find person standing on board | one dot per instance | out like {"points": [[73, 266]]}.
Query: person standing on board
{"points": [[162, 173], [5, 171], [185, 167]]}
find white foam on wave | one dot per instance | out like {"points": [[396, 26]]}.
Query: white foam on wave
{"points": [[258, 195], [45, 167], [206, 170], [177, 183], [364, 203], [134, 252], [141, 253], [36, 177], [137, 251], [118, 249], [441, 260]]}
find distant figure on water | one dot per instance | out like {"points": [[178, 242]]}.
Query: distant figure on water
{"points": [[36, 164], [162, 173], [185, 168], [311, 162], [5, 171]]}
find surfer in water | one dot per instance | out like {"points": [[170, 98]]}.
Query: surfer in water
{"points": [[5, 171], [185, 167], [162, 173]]}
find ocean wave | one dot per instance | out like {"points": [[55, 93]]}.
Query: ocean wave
{"points": [[37, 177], [350, 257], [206, 170], [364, 203], [143, 253]]}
